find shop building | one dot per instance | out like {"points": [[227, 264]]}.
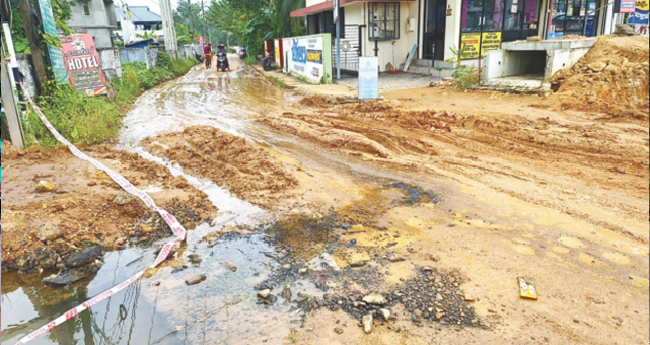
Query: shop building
{"points": [[390, 29]]}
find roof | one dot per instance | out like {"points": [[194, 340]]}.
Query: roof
{"points": [[139, 14], [329, 5]]}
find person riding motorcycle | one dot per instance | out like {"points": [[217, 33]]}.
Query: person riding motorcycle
{"points": [[221, 49], [207, 51]]}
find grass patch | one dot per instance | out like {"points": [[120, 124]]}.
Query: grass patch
{"points": [[278, 82], [92, 121], [251, 60], [466, 78]]}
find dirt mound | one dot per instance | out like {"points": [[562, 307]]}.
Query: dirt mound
{"points": [[41, 230], [8, 150], [612, 79], [316, 102], [245, 170]]}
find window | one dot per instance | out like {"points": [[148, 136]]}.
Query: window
{"points": [[323, 23], [384, 21], [86, 8]]}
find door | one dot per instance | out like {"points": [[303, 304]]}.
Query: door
{"points": [[434, 30]]}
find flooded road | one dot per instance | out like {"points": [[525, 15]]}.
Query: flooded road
{"points": [[324, 209]]}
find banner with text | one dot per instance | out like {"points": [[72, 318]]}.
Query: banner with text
{"points": [[309, 57], [472, 43], [82, 62], [368, 78]]}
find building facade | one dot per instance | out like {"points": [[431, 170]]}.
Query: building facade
{"points": [[95, 17], [390, 29]]}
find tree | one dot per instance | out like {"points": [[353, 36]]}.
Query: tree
{"points": [[35, 39]]}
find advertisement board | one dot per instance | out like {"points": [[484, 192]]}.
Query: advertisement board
{"points": [[48, 17], [58, 65], [309, 57], [491, 41], [640, 17], [472, 42], [82, 63], [368, 78], [628, 6]]}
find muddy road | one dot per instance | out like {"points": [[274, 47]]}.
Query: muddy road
{"points": [[308, 216]]}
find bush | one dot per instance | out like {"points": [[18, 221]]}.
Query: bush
{"points": [[251, 60], [95, 120], [77, 118], [466, 78]]}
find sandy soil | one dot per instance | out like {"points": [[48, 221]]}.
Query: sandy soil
{"points": [[87, 208], [559, 197]]}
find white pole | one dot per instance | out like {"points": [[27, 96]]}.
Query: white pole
{"points": [[338, 40], [10, 106]]}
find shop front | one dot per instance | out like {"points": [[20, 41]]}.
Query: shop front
{"points": [[486, 24], [569, 18]]}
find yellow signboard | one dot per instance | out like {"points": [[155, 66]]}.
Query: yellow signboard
{"points": [[472, 43], [642, 5], [491, 41]]}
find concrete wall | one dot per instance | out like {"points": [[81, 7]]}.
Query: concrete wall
{"points": [[109, 59], [561, 59], [315, 2], [101, 23], [503, 63], [139, 55], [393, 52]]}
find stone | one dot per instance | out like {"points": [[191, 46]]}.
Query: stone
{"points": [[84, 257], [625, 30], [469, 298], [48, 232], [123, 198], [385, 314], [286, 293], [418, 313], [44, 187], [264, 294], [358, 263], [303, 271], [64, 278], [196, 280], [427, 269], [287, 267], [375, 298], [440, 316], [338, 330], [229, 266], [145, 228], [367, 324], [597, 66], [195, 259], [395, 258]]}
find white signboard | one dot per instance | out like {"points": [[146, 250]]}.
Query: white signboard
{"points": [[368, 78], [305, 57]]}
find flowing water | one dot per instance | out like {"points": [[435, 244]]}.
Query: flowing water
{"points": [[222, 310]]}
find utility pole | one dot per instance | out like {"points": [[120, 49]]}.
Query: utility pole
{"points": [[168, 28], [10, 105], [35, 42], [6, 28]]}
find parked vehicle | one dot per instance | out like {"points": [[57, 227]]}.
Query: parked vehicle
{"points": [[243, 53], [268, 63]]}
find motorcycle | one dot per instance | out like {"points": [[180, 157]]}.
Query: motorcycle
{"points": [[243, 54], [268, 62], [222, 61], [199, 58], [208, 61]]}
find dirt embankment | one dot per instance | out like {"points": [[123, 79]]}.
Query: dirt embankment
{"points": [[42, 229], [568, 162], [612, 79], [244, 169]]}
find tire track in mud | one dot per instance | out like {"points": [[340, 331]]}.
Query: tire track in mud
{"points": [[548, 156]]}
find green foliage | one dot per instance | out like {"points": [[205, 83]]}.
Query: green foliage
{"points": [[277, 82], [466, 78], [95, 120], [459, 54], [147, 35], [164, 60], [80, 119], [251, 60]]}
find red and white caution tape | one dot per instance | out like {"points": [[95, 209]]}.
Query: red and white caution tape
{"points": [[178, 230]]}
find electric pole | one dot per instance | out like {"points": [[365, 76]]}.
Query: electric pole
{"points": [[10, 105], [168, 28]]}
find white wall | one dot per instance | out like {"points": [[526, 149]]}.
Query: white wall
{"points": [[315, 2], [394, 51]]}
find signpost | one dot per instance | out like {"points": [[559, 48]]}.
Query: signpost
{"points": [[82, 62], [337, 8], [368, 77], [56, 56]]}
